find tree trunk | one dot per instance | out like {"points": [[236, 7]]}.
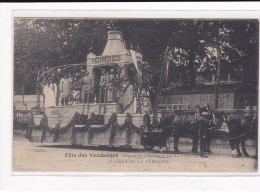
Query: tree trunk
{"points": [[38, 89], [23, 93], [192, 69], [217, 69]]}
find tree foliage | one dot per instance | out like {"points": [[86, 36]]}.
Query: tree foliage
{"points": [[42, 43]]}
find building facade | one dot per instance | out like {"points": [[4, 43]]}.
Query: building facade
{"points": [[231, 96]]}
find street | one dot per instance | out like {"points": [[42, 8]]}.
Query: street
{"points": [[42, 157]]}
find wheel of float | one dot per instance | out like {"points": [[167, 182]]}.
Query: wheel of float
{"points": [[70, 100], [148, 147]]}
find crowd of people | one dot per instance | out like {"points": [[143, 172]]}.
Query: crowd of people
{"points": [[57, 93], [59, 89]]}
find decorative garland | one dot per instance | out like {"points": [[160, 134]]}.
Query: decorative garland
{"points": [[91, 130], [83, 129], [56, 134], [30, 127], [155, 122], [57, 129], [44, 126], [112, 125], [129, 127], [128, 105], [147, 122]]}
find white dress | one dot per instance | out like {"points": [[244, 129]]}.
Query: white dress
{"points": [[50, 92]]}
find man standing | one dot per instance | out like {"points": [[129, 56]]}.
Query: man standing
{"points": [[206, 119], [103, 84], [87, 86], [111, 96], [65, 89]]}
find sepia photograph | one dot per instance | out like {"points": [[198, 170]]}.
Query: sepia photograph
{"points": [[135, 95]]}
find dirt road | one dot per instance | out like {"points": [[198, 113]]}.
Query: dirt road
{"points": [[37, 157]]}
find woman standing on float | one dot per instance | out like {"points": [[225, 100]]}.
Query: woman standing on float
{"points": [[50, 92]]}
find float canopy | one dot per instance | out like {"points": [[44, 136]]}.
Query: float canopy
{"points": [[115, 45], [114, 53]]}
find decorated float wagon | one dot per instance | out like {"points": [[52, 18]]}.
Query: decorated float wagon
{"points": [[114, 110]]}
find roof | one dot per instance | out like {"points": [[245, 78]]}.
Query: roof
{"points": [[202, 89], [115, 45]]}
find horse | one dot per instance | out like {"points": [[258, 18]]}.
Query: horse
{"points": [[183, 124], [240, 127], [180, 123]]}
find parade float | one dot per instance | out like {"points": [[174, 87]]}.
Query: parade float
{"points": [[113, 108], [119, 114]]}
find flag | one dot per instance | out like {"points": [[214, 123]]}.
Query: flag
{"points": [[139, 73], [133, 55], [166, 61], [167, 70]]}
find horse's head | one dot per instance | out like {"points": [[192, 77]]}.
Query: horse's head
{"points": [[167, 119], [167, 116]]}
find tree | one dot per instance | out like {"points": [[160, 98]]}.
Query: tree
{"points": [[42, 43]]}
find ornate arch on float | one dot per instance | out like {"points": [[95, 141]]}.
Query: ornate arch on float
{"points": [[125, 62]]}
